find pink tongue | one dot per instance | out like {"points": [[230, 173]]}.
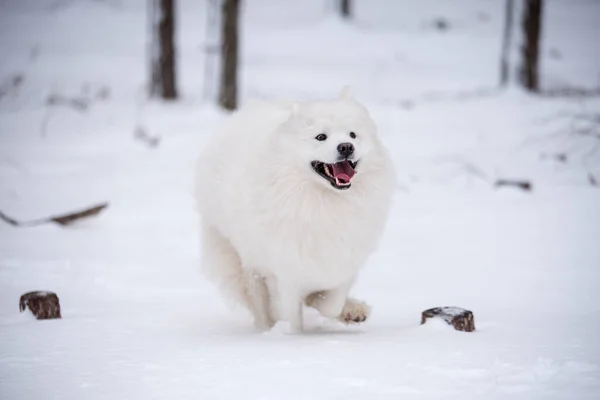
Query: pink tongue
{"points": [[343, 172]]}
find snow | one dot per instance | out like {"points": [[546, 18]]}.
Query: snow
{"points": [[139, 320]]}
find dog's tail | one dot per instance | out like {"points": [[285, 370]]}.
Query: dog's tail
{"points": [[222, 264]]}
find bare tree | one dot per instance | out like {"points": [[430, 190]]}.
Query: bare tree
{"points": [[345, 8], [531, 26], [228, 93], [506, 40], [211, 50], [162, 49]]}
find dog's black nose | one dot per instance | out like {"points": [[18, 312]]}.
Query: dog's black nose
{"points": [[345, 149]]}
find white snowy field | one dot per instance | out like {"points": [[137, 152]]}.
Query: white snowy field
{"points": [[139, 320]]}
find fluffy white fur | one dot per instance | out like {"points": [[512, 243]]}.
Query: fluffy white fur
{"points": [[275, 234]]}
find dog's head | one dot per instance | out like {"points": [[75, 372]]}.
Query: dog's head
{"points": [[331, 141]]}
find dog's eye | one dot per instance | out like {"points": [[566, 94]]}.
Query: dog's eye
{"points": [[321, 136], [353, 135]]}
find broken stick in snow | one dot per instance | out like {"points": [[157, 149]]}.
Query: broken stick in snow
{"points": [[63, 220], [523, 185]]}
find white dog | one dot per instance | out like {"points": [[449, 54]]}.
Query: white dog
{"points": [[294, 198]]}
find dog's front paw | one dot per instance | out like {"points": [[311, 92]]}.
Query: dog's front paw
{"points": [[354, 312]]}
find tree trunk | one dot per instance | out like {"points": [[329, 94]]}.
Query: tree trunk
{"points": [[531, 25], [211, 51], [228, 92], [345, 9], [506, 41], [163, 80]]}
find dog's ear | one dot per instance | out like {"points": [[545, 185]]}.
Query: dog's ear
{"points": [[346, 93]]}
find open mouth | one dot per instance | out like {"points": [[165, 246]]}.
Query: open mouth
{"points": [[338, 174]]}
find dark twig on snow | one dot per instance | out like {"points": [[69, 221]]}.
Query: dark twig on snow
{"points": [[143, 136], [523, 185], [558, 157], [10, 86], [63, 219], [592, 179], [77, 103]]}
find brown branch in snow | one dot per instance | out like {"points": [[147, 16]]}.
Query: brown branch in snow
{"points": [[63, 219], [523, 185]]}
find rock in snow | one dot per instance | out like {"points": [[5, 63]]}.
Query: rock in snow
{"points": [[459, 318], [43, 305]]}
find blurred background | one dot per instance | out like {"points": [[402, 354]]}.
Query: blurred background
{"points": [[490, 108]]}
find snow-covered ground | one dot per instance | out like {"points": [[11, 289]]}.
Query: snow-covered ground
{"points": [[140, 322]]}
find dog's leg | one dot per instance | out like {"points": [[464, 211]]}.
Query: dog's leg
{"points": [[335, 304], [290, 305], [222, 263], [329, 302], [259, 301]]}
